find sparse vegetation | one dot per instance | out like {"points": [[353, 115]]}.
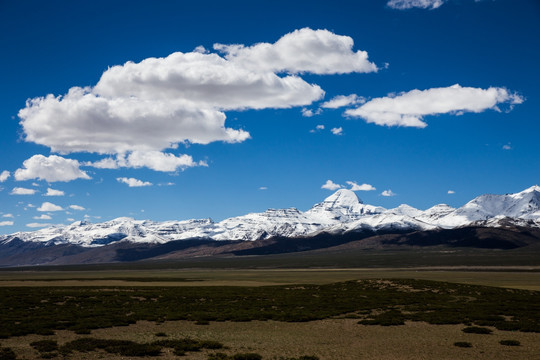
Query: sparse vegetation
{"points": [[45, 346], [477, 330], [7, 354], [240, 356], [373, 302], [510, 343]]}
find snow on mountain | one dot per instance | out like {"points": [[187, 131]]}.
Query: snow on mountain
{"points": [[340, 212]]}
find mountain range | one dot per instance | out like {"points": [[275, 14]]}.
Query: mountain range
{"points": [[488, 221]]}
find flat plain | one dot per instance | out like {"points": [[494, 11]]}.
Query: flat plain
{"points": [[134, 311]]}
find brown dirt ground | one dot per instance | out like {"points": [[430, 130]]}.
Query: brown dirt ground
{"points": [[334, 339]]}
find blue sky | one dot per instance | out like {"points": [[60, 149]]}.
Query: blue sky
{"points": [[442, 105]]}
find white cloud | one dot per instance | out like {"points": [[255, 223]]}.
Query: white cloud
{"points": [[37, 225], [409, 4], [155, 160], [159, 161], [22, 191], [309, 112], [301, 51], [31, 205], [330, 185], [76, 207], [131, 182], [408, 109], [263, 188], [342, 101], [337, 131], [53, 192], [319, 127], [451, 192], [7, 215], [160, 102], [364, 187], [106, 163], [388, 193], [70, 219], [4, 175], [47, 206], [507, 147], [51, 169], [6, 223], [43, 217]]}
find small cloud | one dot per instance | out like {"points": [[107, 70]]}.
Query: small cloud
{"points": [[4, 175], [330, 185], [342, 101], [31, 205], [70, 219], [364, 187], [167, 184], [317, 128], [451, 192], [6, 223], [35, 184], [310, 113], [76, 207], [43, 217], [7, 215], [388, 193], [51, 169], [263, 188], [47, 206], [409, 4], [337, 131], [53, 192], [22, 191], [38, 225], [132, 182], [507, 147]]}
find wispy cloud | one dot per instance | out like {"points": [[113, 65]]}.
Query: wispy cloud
{"points": [[53, 192], [409, 109], [409, 4], [132, 182], [4, 175], [22, 191], [337, 131]]}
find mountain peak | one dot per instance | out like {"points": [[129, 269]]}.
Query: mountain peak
{"points": [[534, 188], [343, 198]]}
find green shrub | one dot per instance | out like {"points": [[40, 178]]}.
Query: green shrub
{"points": [[463, 344], [510, 342], [476, 330], [44, 346]]}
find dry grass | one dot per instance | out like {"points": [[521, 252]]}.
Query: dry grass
{"points": [[334, 339], [515, 277]]}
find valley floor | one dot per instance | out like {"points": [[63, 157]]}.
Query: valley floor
{"points": [[330, 339]]}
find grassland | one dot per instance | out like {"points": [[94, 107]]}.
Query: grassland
{"points": [[258, 318], [397, 306]]}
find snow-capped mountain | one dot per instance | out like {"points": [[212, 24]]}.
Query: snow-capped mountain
{"points": [[341, 212]]}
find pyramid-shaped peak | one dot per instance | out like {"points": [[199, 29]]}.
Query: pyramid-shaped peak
{"points": [[343, 198]]}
